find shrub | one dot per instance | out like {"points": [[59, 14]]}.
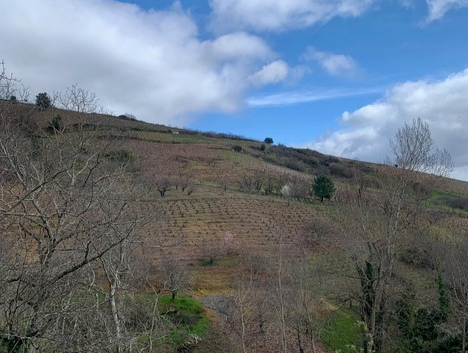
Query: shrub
{"points": [[366, 169], [237, 148], [130, 116], [36, 147], [262, 147], [341, 170], [120, 156], [313, 161], [419, 258], [329, 160], [56, 124], [294, 164]]}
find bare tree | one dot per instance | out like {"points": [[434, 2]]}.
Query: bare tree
{"points": [[175, 276], [184, 180], [191, 188], [270, 184], [302, 317], [295, 187], [6, 81], [212, 248], [116, 266], [163, 183], [414, 150], [78, 99], [251, 302], [247, 182], [11, 87], [246, 305], [278, 279]]}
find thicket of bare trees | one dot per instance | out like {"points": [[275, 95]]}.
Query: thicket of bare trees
{"points": [[66, 217], [274, 307], [376, 225]]}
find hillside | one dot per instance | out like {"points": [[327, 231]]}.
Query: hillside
{"points": [[217, 225]]}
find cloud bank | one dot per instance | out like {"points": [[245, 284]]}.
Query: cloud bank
{"points": [[442, 104], [152, 64]]}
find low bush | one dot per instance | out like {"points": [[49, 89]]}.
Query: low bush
{"points": [[295, 165], [341, 170], [56, 124], [120, 156]]}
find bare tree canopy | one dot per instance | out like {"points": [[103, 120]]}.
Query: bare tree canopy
{"points": [[78, 99], [10, 86], [414, 150]]}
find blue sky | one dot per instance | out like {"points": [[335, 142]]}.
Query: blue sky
{"points": [[337, 76]]}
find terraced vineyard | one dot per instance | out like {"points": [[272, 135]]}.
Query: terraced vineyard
{"points": [[260, 224]]}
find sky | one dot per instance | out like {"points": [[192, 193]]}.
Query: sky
{"points": [[336, 76]]}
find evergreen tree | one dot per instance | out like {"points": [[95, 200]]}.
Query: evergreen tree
{"points": [[43, 100], [323, 187]]}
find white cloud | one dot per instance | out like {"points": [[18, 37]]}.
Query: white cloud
{"points": [[274, 72], [279, 15], [282, 15], [149, 63], [442, 104], [298, 97], [334, 64], [438, 8]]}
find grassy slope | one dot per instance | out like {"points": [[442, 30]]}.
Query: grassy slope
{"points": [[218, 209]]}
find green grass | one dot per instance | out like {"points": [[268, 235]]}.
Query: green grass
{"points": [[182, 318], [186, 314], [342, 331], [442, 200], [183, 303], [437, 198]]}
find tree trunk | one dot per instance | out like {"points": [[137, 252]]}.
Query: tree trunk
{"points": [[115, 316]]}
